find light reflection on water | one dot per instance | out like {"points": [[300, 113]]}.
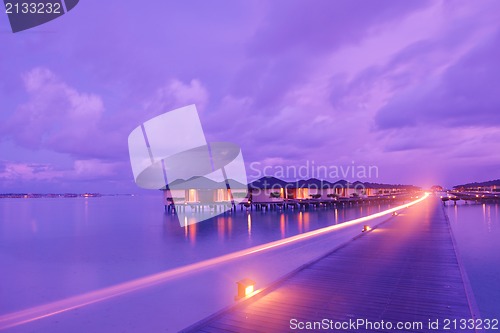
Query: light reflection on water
{"points": [[476, 228], [54, 248]]}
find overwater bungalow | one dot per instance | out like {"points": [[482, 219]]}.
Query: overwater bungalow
{"points": [[271, 190], [201, 190], [268, 189], [314, 189]]}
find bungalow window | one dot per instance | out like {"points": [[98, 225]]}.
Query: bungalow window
{"points": [[223, 195], [192, 195], [302, 193]]}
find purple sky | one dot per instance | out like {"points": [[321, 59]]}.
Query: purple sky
{"points": [[412, 87]]}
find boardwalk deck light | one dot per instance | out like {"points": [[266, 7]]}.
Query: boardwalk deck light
{"points": [[245, 288], [366, 228]]}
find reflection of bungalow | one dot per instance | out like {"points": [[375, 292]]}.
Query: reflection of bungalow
{"points": [[203, 191]]}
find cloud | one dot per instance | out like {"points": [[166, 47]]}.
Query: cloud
{"points": [[176, 94], [324, 26], [333, 81], [294, 38], [60, 118], [10, 171], [465, 94], [81, 170], [56, 116]]}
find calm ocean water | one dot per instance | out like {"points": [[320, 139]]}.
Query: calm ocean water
{"points": [[54, 248], [477, 231]]}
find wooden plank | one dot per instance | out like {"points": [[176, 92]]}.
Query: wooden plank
{"points": [[405, 270]]}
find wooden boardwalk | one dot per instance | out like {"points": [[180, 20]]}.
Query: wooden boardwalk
{"points": [[405, 270]]}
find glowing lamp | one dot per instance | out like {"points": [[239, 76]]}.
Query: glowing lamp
{"points": [[395, 214], [245, 288], [366, 228]]}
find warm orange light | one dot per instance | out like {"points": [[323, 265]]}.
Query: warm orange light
{"points": [[366, 228], [248, 290], [245, 288]]}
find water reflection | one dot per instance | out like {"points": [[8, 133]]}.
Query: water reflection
{"points": [[306, 221], [229, 226], [192, 233], [282, 225], [249, 224], [86, 211], [34, 226], [221, 228], [484, 212], [476, 229], [496, 211], [239, 230], [300, 222], [133, 233], [190, 228]]}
